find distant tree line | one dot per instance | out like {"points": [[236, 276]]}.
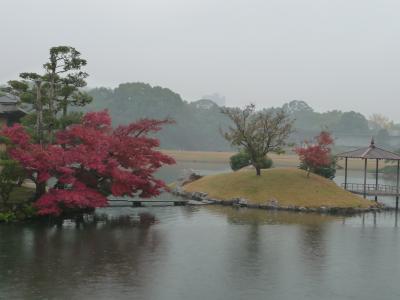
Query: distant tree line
{"points": [[198, 125], [196, 128]]}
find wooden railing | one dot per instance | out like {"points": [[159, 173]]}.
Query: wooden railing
{"points": [[371, 188]]}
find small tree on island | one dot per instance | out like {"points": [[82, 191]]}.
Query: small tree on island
{"points": [[316, 157], [89, 162], [257, 132]]}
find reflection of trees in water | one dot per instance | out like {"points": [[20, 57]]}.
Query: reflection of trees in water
{"points": [[260, 216], [47, 260], [313, 245], [256, 248], [190, 211]]}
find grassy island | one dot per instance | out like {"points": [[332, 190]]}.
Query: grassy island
{"points": [[289, 186]]}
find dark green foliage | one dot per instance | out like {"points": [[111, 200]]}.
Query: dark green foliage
{"points": [[242, 159], [11, 175], [70, 119], [239, 160], [7, 216], [266, 163], [327, 172], [19, 212], [25, 211]]}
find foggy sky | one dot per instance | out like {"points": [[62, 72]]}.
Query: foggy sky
{"points": [[334, 54]]}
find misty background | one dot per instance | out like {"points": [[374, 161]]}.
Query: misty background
{"points": [[333, 54]]}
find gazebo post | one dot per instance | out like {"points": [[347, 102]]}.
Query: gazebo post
{"points": [[365, 178], [376, 179], [345, 173], [397, 185]]}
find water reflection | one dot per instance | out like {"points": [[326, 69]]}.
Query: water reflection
{"points": [[259, 216], [35, 258], [310, 230], [209, 252]]}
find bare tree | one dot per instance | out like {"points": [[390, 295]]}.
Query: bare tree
{"points": [[379, 121], [257, 132]]}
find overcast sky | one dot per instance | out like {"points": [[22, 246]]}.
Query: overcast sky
{"points": [[334, 54]]}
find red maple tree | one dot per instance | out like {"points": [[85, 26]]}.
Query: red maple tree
{"points": [[317, 153], [89, 162]]}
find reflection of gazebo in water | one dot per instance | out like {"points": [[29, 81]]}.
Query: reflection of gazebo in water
{"points": [[375, 153]]}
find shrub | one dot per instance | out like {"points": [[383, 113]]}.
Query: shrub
{"points": [[11, 174], [326, 171], [7, 216], [242, 159], [315, 156], [266, 163], [239, 160]]}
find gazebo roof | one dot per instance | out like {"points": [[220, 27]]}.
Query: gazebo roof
{"points": [[370, 152]]}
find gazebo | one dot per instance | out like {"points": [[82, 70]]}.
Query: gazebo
{"points": [[371, 152]]}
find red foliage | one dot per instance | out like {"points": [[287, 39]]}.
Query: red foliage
{"points": [[91, 161], [316, 154]]}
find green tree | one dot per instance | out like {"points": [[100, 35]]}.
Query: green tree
{"points": [[50, 95], [11, 175], [64, 76], [30, 89], [352, 122], [257, 132]]}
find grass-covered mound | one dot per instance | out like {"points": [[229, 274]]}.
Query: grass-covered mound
{"points": [[290, 187]]}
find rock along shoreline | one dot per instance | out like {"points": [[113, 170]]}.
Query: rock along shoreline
{"points": [[199, 198]]}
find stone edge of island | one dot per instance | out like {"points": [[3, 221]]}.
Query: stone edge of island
{"points": [[203, 199]]}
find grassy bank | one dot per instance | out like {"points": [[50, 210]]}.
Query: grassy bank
{"points": [[288, 186]]}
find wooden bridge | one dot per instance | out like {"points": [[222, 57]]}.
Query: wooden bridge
{"points": [[371, 189], [140, 202]]}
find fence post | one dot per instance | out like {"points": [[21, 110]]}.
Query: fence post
{"points": [[365, 178]]}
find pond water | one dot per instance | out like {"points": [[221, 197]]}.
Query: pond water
{"points": [[209, 252]]}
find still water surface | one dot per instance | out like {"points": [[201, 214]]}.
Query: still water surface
{"points": [[203, 253]]}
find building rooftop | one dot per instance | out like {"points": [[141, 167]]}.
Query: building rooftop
{"points": [[8, 99], [370, 152]]}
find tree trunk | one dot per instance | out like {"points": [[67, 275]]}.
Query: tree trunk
{"points": [[51, 107], [64, 112], [65, 108], [40, 190], [39, 114], [258, 171]]}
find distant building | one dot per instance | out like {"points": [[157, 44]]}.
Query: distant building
{"points": [[10, 113], [204, 104], [216, 98]]}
